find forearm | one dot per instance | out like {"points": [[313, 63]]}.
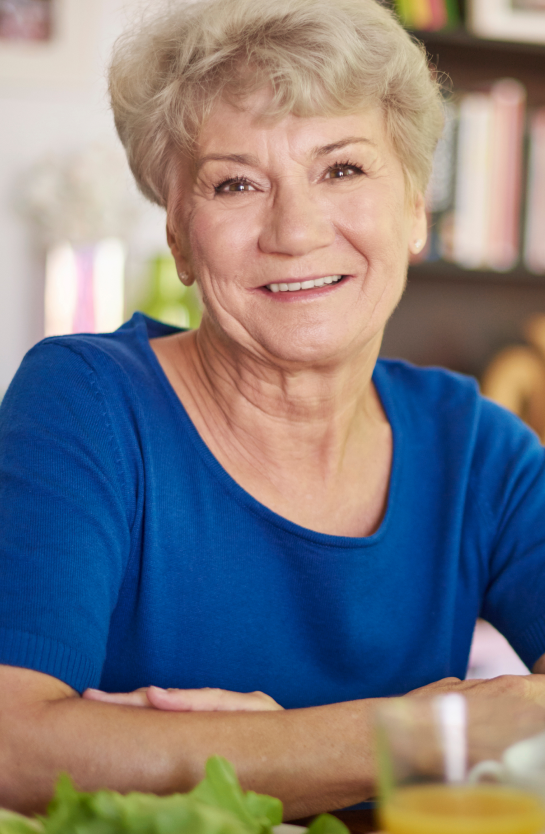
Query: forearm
{"points": [[313, 759]]}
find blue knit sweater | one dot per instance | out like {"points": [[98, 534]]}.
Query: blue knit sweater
{"points": [[128, 556]]}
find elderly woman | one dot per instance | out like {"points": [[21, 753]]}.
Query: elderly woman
{"points": [[260, 504]]}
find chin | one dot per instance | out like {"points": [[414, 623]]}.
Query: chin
{"points": [[309, 346]]}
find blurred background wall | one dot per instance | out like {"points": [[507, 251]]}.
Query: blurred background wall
{"points": [[55, 110]]}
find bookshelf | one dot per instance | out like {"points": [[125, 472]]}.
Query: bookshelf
{"points": [[449, 315], [471, 61]]}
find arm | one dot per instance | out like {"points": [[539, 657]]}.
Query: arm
{"points": [[313, 759]]}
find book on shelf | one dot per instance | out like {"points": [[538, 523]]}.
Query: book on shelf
{"points": [[440, 193], [472, 184], [488, 177], [506, 174], [476, 190], [428, 15], [509, 20], [534, 238]]}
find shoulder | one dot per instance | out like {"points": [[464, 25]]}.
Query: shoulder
{"points": [[128, 344], [428, 399], [87, 364], [445, 394], [429, 383], [87, 391], [445, 413], [77, 406]]}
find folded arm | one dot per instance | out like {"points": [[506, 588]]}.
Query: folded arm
{"points": [[313, 759]]}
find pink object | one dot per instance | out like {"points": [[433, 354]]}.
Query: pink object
{"points": [[534, 250], [28, 20], [84, 314], [439, 18], [491, 655], [509, 100]]}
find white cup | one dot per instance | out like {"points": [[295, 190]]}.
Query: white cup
{"points": [[522, 764]]}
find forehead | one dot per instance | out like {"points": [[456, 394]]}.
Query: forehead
{"points": [[240, 128]]}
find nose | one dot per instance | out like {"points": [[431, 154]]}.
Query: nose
{"points": [[296, 223]]}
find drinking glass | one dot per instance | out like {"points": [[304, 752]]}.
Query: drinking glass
{"points": [[451, 765]]}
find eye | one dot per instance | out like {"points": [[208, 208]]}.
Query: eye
{"points": [[340, 171], [236, 185]]}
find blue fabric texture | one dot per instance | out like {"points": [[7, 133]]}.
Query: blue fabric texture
{"points": [[128, 556]]}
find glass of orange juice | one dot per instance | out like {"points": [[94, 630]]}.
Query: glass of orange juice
{"points": [[451, 765]]}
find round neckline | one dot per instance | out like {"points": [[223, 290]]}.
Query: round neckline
{"points": [[145, 325]]}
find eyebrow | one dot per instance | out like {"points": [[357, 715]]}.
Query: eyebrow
{"points": [[240, 159], [337, 146], [248, 159]]}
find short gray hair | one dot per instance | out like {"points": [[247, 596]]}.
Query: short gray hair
{"points": [[320, 57]]}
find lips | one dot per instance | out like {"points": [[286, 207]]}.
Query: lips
{"points": [[308, 284]]}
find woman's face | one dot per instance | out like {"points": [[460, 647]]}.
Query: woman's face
{"points": [[317, 203]]}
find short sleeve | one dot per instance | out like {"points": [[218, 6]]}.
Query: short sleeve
{"points": [[63, 515], [512, 493]]}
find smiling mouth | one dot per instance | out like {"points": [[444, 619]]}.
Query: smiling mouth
{"points": [[296, 286]]}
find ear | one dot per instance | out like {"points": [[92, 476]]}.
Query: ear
{"points": [[182, 265], [419, 227]]}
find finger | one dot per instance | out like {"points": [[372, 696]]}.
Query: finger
{"points": [[436, 686], [138, 698], [210, 700], [273, 705]]}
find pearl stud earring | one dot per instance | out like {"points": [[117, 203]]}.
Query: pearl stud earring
{"points": [[418, 245]]}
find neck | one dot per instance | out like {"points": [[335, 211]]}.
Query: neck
{"points": [[277, 413]]}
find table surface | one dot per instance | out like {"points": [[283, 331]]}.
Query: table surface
{"points": [[358, 822]]}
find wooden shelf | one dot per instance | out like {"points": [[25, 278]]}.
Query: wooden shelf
{"points": [[442, 271], [463, 40], [471, 62], [449, 318]]}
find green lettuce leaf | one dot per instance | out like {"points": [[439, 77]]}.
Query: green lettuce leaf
{"points": [[220, 788], [217, 805], [327, 824], [12, 823]]}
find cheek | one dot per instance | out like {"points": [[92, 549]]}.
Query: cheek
{"points": [[374, 222], [221, 240]]}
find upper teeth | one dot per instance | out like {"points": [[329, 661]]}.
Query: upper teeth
{"points": [[304, 285]]}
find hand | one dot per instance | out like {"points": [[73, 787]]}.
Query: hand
{"points": [[527, 688], [187, 700]]}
